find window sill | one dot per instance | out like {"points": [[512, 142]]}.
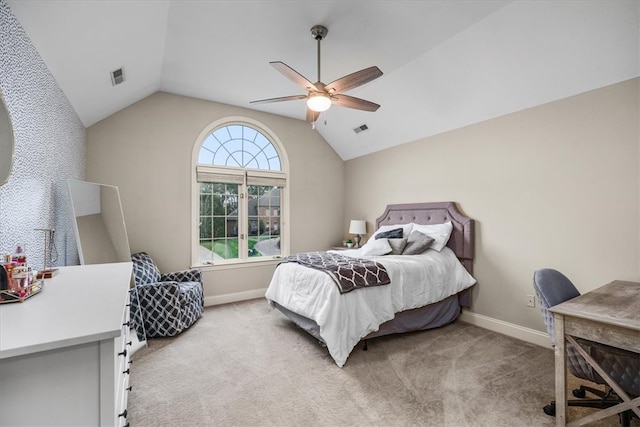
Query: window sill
{"points": [[232, 265]]}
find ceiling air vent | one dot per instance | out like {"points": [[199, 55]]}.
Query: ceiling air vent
{"points": [[361, 128], [117, 76]]}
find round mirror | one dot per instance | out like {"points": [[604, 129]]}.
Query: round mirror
{"points": [[6, 142]]}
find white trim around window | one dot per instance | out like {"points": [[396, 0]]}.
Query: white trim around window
{"points": [[252, 177]]}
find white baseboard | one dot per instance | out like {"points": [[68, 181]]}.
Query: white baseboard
{"points": [[235, 297], [510, 329]]}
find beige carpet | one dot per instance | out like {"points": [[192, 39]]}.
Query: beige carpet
{"points": [[244, 364]]}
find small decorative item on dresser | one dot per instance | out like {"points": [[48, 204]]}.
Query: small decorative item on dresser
{"points": [[349, 243], [19, 256], [50, 254]]}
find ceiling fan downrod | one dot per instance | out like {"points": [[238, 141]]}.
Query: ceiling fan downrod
{"points": [[319, 32]]}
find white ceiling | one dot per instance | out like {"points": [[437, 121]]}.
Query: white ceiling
{"points": [[446, 64]]}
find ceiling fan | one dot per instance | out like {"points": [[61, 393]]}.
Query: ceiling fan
{"points": [[320, 96]]}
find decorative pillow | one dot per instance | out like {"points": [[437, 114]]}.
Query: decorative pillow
{"points": [[397, 246], [376, 248], [439, 232], [417, 243], [406, 229], [396, 233]]}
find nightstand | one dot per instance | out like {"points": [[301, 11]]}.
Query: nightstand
{"points": [[339, 248]]}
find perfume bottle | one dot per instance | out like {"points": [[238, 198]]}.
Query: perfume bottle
{"points": [[20, 256], [21, 280], [8, 266]]}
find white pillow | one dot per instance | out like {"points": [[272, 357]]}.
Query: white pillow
{"points": [[439, 232], [376, 248], [406, 229]]}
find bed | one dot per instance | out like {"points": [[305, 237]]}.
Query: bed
{"points": [[426, 290]]}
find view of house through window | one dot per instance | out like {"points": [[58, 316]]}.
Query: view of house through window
{"points": [[240, 182]]}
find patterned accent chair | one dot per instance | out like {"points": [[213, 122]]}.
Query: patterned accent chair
{"points": [[168, 303]]}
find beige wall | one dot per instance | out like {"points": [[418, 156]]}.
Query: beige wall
{"points": [[146, 151], [553, 186]]}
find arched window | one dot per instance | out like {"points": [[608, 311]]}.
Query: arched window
{"points": [[241, 184]]}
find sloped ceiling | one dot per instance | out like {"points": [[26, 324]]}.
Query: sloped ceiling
{"points": [[447, 64]]}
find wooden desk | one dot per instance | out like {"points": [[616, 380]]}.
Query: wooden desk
{"points": [[608, 315]]}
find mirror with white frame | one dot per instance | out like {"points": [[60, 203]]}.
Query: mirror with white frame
{"points": [[99, 223], [6, 142], [101, 233]]}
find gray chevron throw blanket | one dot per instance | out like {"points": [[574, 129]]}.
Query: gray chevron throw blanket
{"points": [[348, 273]]}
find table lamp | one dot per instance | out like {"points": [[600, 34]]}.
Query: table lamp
{"points": [[357, 227]]}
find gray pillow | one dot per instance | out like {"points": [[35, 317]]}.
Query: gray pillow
{"points": [[417, 243], [397, 246], [396, 233]]}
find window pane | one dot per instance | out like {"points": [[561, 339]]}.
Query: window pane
{"points": [[270, 151], [235, 131], [217, 207], [239, 146], [205, 204], [205, 228], [264, 222], [251, 134], [218, 221]]}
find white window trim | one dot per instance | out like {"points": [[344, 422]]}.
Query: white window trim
{"points": [[195, 195]]}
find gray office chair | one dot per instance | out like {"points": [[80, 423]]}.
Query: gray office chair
{"points": [[552, 288]]}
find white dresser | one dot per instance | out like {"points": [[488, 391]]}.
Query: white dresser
{"points": [[64, 353]]}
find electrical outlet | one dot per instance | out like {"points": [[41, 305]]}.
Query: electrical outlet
{"points": [[531, 300]]}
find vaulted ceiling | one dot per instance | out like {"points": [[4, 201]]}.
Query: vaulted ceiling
{"points": [[446, 64]]}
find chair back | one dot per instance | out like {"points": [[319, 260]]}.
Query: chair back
{"points": [[552, 288], [145, 270]]}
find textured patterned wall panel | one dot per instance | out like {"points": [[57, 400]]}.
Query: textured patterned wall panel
{"points": [[49, 149]]}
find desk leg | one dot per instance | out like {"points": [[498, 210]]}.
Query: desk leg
{"points": [[561, 370]]}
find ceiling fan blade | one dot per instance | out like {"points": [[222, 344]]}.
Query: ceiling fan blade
{"points": [[354, 80], [353, 102], [280, 99], [312, 116], [293, 75]]}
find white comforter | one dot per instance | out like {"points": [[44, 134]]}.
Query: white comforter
{"points": [[416, 281]]}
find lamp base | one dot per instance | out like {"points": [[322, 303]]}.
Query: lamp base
{"points": [[356, 239]]}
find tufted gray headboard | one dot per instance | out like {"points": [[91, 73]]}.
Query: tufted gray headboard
{"points": [[462, 236]]}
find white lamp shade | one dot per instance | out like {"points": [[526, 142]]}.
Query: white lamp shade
{"points": [[358, 226], [319, 102]]}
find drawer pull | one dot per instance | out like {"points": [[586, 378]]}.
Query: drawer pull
{"points": [[129, 388], [126, 372], [123, 353], [129, 343], [126, 323], [123, 414]]}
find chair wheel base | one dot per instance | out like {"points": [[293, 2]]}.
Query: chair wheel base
{"points": [[579, 393], [550, 409]]}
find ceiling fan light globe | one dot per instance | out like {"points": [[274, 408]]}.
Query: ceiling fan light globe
{"points": [[319, 102]]}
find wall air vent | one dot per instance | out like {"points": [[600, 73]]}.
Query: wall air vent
{"points": [[117, 76], [361, 128]]}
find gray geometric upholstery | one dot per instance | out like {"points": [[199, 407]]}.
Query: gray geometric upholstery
{"points": [[552, 288], [169, 303]]}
